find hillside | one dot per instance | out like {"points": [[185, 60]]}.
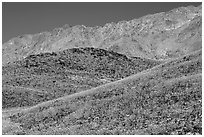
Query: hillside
{"points": [[46, 76], [158, 36], [166, 99]]}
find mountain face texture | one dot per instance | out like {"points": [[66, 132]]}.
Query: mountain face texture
{"points": [[159, 36], [137, 77]]}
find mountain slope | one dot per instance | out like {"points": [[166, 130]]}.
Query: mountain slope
{"points": [[163, 100], [158, 36], [46, 76]]}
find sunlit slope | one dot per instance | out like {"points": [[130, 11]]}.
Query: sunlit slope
{"points": [[163, 100]]}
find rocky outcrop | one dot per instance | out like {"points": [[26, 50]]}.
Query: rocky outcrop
{"points": [[159, 36]]}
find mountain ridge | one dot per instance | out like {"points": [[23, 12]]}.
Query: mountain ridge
{"points": [[148, 36]]}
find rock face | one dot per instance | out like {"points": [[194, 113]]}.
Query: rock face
{"points": [[159, 36]]}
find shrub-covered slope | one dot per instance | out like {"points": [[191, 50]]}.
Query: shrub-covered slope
{"points": [[166, 99], [46, 76]]}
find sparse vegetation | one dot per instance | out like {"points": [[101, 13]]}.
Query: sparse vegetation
{"points": [[155, 101], [64, 73]]}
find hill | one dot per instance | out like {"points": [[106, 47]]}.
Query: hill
{"points": [[166, 99], [46, 76], [158, 36]]}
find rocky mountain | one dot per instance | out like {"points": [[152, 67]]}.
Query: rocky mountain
{"points": [[159, 36], [142, 76]]}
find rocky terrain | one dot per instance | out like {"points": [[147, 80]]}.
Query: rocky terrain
{"points": [[47, 76], [158, 36], [137, 77], [166, 99]]}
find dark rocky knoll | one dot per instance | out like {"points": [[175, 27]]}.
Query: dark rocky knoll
{"points": [[158, 36], [46, 76], [166, 99]]}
